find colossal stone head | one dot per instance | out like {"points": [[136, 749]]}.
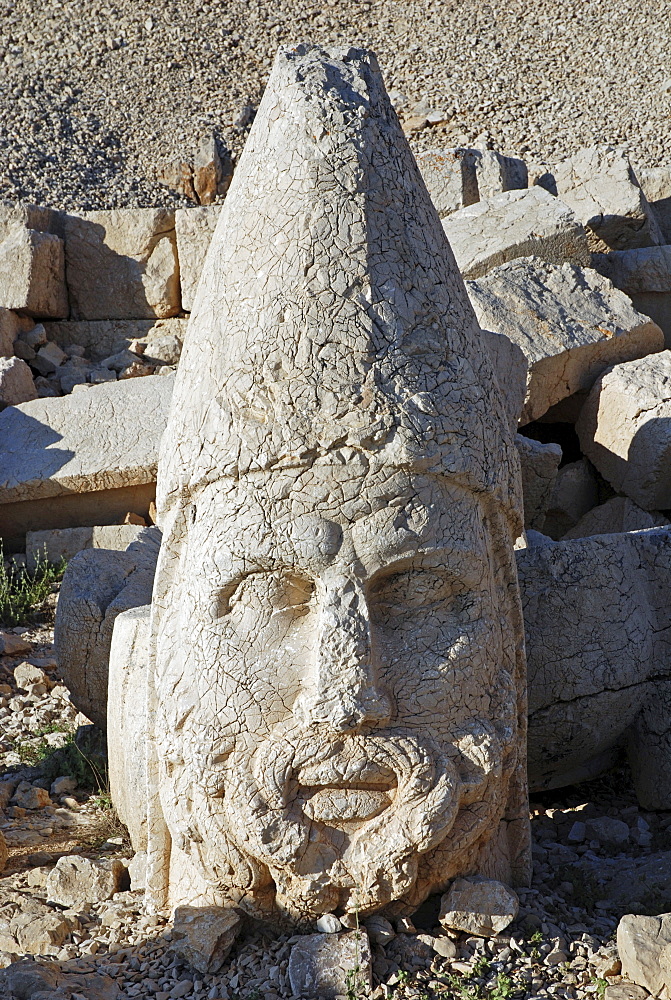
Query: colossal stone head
{"points": [[337, 679]]}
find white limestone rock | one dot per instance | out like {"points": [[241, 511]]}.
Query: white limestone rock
{"points": [[122, 264], [25, 216], [55, 544], [645, 276], [32, 274], [614, 516], [515, 224], [644, 947], [511, 368], [450, 178], [624, 429], [539, 464], [87, 448], [575, 492], [597, 628], [45, 980], [496, 173], [570, 322], [330, 965], [656, 186], [203, 936], [600, 186], [16, 382], [193, 228], [76, 881], [483, 907]]}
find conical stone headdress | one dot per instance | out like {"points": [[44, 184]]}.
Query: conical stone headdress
{"points": [[331, 314]]}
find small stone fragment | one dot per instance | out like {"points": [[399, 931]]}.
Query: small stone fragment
{"points": [[328, 923], [483, 907], [330, 965], [610, 831], [48, 358], [380, 931], [205, 935], [29, 796], [445, 947]]}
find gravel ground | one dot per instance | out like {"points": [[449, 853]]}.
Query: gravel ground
{"points": [[93, 96]]}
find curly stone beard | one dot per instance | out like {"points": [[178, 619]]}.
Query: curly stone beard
{"points": [[311, 822]]}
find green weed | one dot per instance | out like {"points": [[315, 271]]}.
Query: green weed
{"points": [[21, 593]]}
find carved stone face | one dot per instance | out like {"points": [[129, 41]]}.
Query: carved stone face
{"points": [[335, 719]]}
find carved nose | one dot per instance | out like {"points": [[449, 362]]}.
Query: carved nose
{"points": [[344, 692]]}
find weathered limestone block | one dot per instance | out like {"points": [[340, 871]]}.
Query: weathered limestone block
{"points": [[55, 544], [32, 274], [478, 906], [600, 186], [515, 224], [103, 338], [624, 429], [81, 459], [645, 276], [331, 965], [194, 228], [450, 178], [571, 323], [16, 382], [614, 516], [575, 492], [19, 215], [496, 173], [122, 264], [204, 935], [539, 464], [42, 980], [75, 881], [656, 186], [597, 628], [644, 947], [306, 417], [98, 586]]}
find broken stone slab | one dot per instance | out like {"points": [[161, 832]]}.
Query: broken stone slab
{"points": [[624, 429], [26, 978], [574, 493], [98, 586], [55, 544], [204, 935], [539, 464], [82, 459], [25, 216], [193, 228], [331, 965], [615, 515], [570, 322], [644, 947], [656, 186], [121, 264], [515, 224], [32, 274], [16, 382], [597, 629], [103, 338], [75, 881], [645, 276], [479, 906], [599, 184]]}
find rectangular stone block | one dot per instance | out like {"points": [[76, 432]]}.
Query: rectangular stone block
{"points": [[449, 175], [55, 544], [122, 264], [570, 322], [656, 186], [601, 187], [193, 228], [515, 224], [65, 461], [24, 216], [32, 274]]}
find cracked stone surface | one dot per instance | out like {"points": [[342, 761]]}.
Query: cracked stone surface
{"points": [[624, 429], [571, 323], [339, 495]]}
